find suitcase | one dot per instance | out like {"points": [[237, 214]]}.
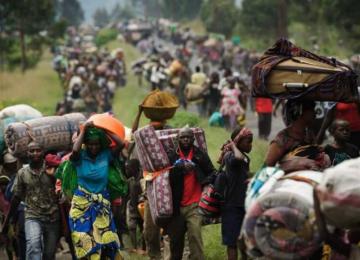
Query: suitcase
{"points": [[288, 72]]}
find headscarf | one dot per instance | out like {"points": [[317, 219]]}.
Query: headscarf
{"points": [[94, 133], [52, 160], [244, 132]]}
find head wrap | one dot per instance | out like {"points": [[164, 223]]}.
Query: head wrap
{"points": [[244, 132], [94, 133], [52, 160]]}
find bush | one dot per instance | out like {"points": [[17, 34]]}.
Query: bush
{"points": [[183, 118], [105, 36]]}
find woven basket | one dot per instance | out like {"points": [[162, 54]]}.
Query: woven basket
{"points": [[159, 113]]}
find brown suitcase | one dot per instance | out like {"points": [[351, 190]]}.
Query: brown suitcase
{"points": [[288, 72]]}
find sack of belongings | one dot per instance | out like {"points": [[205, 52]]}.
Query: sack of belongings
{"points": [[289, 72], [12, 114], [339, 195], [281, 223], [194, 92], [53, 132]]}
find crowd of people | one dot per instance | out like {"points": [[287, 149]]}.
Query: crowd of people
{"points": [[95, 194]]}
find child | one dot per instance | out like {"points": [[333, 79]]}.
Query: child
{"points": [[341, 150], [133, 217], [236, 164]]}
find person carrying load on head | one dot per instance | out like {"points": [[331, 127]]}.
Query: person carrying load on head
{"points": [[91, 221], [158, 106]]}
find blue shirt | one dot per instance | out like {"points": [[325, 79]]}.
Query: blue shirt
{"points": [[93, 174]]}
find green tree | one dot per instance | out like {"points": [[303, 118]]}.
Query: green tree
{"points": [[101, 17], [28, 18], [219, 16], [72, 12], [345, 16], [179, 9], [258, 19]]}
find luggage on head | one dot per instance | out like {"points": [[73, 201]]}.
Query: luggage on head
{"points": [[290, 72], [53, 132]]}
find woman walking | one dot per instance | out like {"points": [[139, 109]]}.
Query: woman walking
{"points": [[92, 226]]}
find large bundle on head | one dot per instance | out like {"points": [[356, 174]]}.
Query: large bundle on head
{"points": [[12, 114], [339, 195], [109, 123], [157, 106], [53, 132], [281, 223], [289, 72]]}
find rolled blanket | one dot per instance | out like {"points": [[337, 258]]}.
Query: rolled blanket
{"points": [[262, 182], [53, 132], [12, 114], [281, 224], [339, 194]]}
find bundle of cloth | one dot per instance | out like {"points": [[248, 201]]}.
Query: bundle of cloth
{"points": [[156, 165], [262, 183], [339, 195], [53, 132], [280, 224], [12, 114], [168, 137]]}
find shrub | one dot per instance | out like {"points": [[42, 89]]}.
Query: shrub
{"points": [[183, 118], [104, 36]]}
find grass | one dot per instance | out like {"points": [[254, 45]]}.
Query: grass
{"points": [[40, 88], [196, 25]]}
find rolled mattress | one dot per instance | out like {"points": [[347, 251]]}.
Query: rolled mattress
{"points": [[281, 223], [53, 132]]}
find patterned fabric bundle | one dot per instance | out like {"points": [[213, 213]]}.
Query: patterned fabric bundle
{"points": [[91, 224], [333, 80], [155, 163], [53, 132], [339, 195], [168, 138], [262, 182], [281, 223], [152, 153], [12, 114]]}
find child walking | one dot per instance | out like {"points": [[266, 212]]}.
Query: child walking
{"points": [[236, 161]]}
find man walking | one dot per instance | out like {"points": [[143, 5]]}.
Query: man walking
{"points": [[36, 187], [192, 170]]}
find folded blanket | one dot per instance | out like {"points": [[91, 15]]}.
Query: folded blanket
{"points": [[155, 163], [168, 138]]}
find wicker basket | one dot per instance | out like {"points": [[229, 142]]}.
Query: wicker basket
{"points": [[159, 113]]}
